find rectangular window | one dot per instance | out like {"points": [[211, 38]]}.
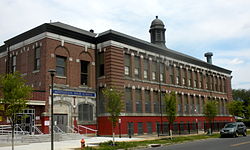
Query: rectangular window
{"points": [[171, 74], [186, 106], [140, 128], [37, 58], [128, 100], [162, 72], [179, 103], [153, 76], [138, 101], [137, 67], [156, 103], [101, 63], [127, 65], [178, 75], [154, 70], [85, 112], [60, 66], [183, 81], [13, 65], [147, 101], [101, 101], [84, 72], [149, 127], [145, 72], [189, 77]]}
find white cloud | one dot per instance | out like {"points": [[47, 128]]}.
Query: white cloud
{"points": [[192, 26]]}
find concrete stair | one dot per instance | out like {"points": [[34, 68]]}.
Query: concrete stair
{"points": [[42, 138]]}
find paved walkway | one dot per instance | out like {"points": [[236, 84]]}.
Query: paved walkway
{"points": [[66, 145]]}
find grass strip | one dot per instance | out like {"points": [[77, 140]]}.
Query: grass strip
{"points": [[145, 143]]}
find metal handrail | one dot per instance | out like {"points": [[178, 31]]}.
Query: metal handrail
{"points": [[72, 130], [38, 130], [87, 128], [60, 130]]}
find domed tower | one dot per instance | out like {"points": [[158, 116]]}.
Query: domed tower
{"points": [[157, 32]]}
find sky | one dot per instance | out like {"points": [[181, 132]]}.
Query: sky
{"points": [[193, 27]]}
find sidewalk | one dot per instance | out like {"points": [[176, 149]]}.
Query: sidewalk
{"points": [[65, 145]]}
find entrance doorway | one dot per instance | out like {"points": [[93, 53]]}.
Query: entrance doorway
{"points": [[61, 121]]}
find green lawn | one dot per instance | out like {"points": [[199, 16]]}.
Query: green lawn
{"points": [[163, 141]]}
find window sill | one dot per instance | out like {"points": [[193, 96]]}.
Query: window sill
{"points": [[35, 71], [61, 77]]}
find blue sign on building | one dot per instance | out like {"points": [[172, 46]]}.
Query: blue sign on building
{"points": [[74, 93]]}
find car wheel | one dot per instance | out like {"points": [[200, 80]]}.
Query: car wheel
{"points": [[245, 133]]}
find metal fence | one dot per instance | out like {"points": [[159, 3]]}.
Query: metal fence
{"points": [[188, 128]]}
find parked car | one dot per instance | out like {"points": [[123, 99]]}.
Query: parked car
{"points": [[234, 129]]}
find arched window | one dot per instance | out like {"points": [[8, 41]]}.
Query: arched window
{"points": [[85, 112]]}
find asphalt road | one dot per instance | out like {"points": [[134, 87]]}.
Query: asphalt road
{"points": [[239, 143]]}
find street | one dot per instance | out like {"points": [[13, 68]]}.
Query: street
{"points": [[240, 143]]}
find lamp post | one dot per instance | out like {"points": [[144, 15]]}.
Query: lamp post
{"points": [[52, 74]]}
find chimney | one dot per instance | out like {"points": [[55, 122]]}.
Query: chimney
{"points": [[91, 30], [209, 57]]}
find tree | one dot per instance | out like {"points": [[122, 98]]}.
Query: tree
{"points": [[235, 108], [14, 94], [114, 106], [210, 112], [247, 114], [244, 96], [170, 103]]}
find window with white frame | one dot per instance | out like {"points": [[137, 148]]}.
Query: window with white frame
{"points": [[137, 67], [37, 58], [60, 66], [127, 65], [13, 65]]}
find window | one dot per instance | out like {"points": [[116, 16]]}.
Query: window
{"points": [[101, 64], [153, 75], [154, 70], [127, 65], [140, 128], [197, 103], [156, 103], [13, 65], [179, 103], [189, 77], [183, 81], [37, 59], [186, 106], [84, 72], [137, 67], [147, 101], [138, 101], [85, 112], [162, 73], [145, 72], [101, 101], [178, 75], [60, 65], [128, 99], [149, 127], [171, 74], [177, 81]]}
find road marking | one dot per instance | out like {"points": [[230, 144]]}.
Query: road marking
{"points": [[240, 144]]}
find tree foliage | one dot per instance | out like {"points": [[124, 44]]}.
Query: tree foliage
{"points": [[235, 108], [14, 94], [170, 102], [244, 96], [210, 110], [114, 104]]}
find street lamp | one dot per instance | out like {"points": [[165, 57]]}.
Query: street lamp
{"points": [[52, 74]]}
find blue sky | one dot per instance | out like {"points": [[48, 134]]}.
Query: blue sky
{"points": [[193, 26]]}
